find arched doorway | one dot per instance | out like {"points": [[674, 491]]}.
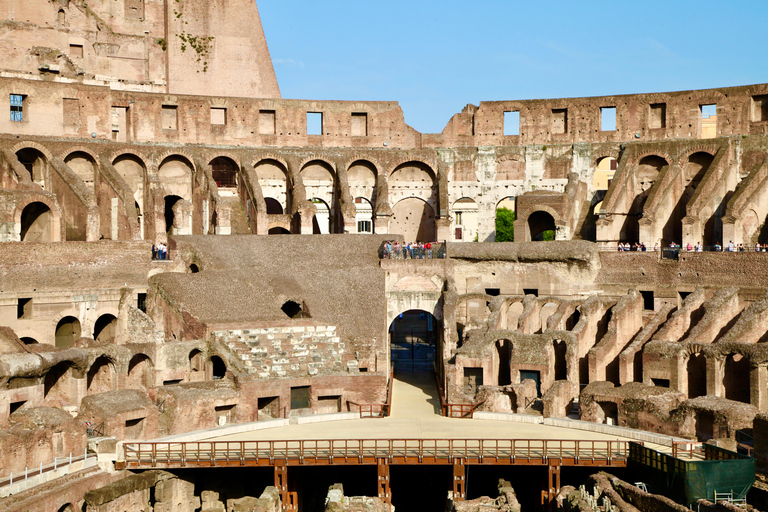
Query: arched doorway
{"points": [[278, 231], [140, 372], [465, 220], [36, 163], [561, 364], [36, 223], [505, 220], [224, 173], [697, 375], [67, 332], [414, 218], [414, 338], [29, 341], [503, 357], [101, 375], [363, 215], [541, 225], [274, 183], [736, 372], [321, 221], [219, 368], [105, 328], [58, 388], [273, 206], [170, 213]]}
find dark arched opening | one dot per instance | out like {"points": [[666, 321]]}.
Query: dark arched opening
{"points": [[67, 332], [295, 310], [278, 231], [170, 216], [35, 162], [105, 328], [541, 226], [29, 341], [697, 375], [193, 269], [273, 206], [736, 378], [36, 223], [503, 354], [66, 508], [561, 368], [414, 341], [219, 368], [196, 361], [224, 172]]}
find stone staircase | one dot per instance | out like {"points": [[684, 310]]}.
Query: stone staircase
{"points": [[289, 352]]}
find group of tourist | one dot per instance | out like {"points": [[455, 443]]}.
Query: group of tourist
{"points": [[413, 250], [159, 251], [731, 247]]}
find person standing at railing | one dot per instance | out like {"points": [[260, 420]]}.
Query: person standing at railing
{"points": [[731, 247], [699, 247], [429, 250], [718, 247], [689, 247]]}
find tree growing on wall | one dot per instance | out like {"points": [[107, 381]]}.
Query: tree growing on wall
{"points": [[505, 225]]}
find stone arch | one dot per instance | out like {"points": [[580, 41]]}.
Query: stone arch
{"points": [[35, 160], [101, 376], [61, 20], [605, 169], [175, 174], [278, 230], [83, 163], [68, 331], [547, 310], [321, 221], [693, 171], [361, 179], [196, 361], [29, 341], [140, 372], [172, 204], [224, 172], [273, 206], [413, 179], [321, 186], [37, 223], [274, 181], [512, 315], [414, 218], [464, 219], [364, 219], [560, 362], [649, 167], [133, 169], [105, 328], [58, 385], [541, 225], [736, 377]]}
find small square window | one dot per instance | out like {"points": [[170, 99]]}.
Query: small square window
{"points": [[300, 397], [560, 120], [314, 123], [359, 124], [511, 123], [760, 108], [658, 116], [24, 308], [267, 122], [76, 50], [170, 117], [17, 107], [608, 119], [218, 116], [363, 226]]}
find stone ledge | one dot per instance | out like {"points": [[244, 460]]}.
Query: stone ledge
{"points": [[638, 435], [335, 416], [224, 430], [506, 416]]}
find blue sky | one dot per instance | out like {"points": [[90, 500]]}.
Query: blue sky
{"points": [[434, 57]]}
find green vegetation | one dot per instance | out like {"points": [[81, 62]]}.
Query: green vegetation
{"points": [[505, 227], [548, 235]]}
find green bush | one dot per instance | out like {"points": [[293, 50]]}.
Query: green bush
{"points": [[505, 225], [548, 235]]}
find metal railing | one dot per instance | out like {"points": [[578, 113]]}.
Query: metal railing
{"points": [[58, 462], [376, 410], [368, 451], [438, 251]]}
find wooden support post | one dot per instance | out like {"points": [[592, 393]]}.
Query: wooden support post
{"points": [[459, 480], [281, 482], [385, 493], [553, 468]]}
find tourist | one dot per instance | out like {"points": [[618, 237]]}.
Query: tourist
{"points": [[731, 247], [689, 247], [699, 247], [718, 247], [429, 250], [757, 247], [656, 247], [741, 248]]}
